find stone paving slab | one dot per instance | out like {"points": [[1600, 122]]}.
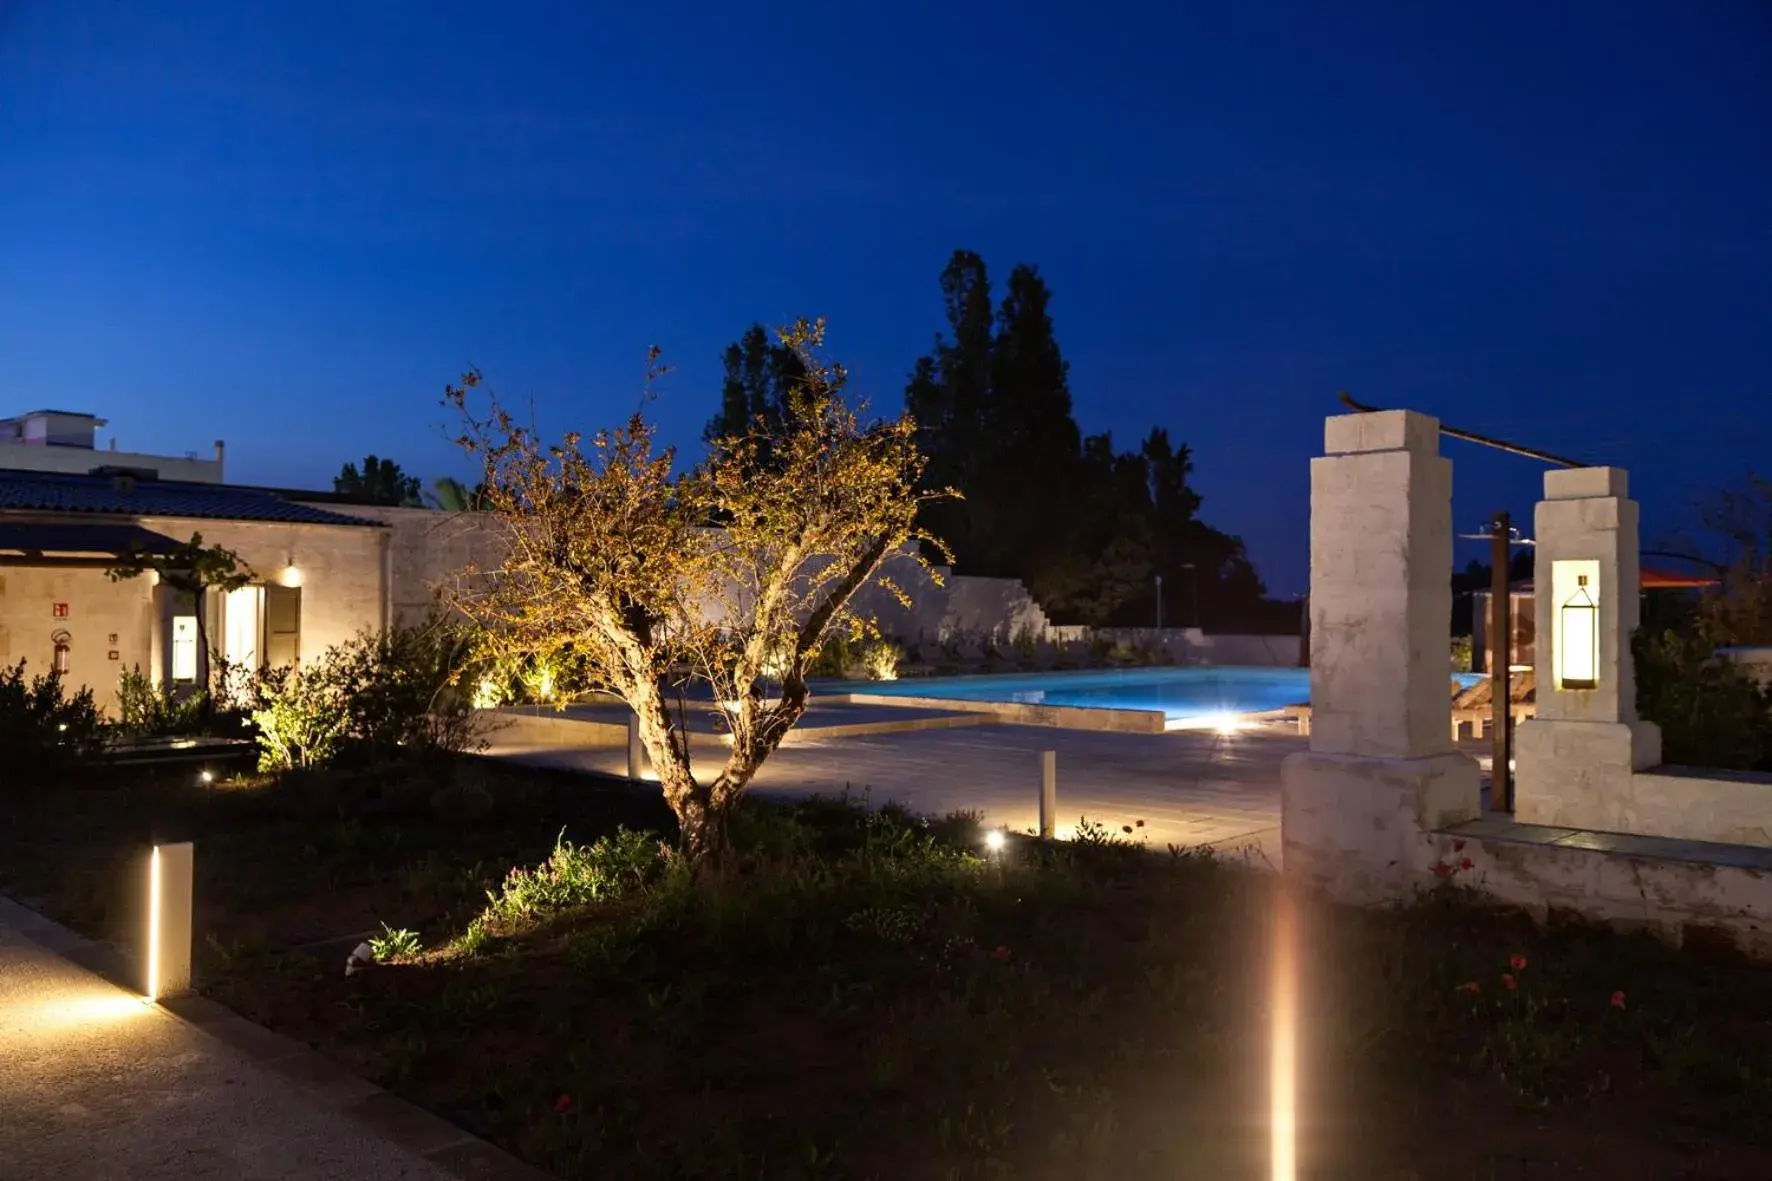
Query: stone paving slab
{"points": [[96, 1084], [1190, 788]]}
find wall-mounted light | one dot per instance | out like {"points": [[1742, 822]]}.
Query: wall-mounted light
{"points": [[291, 575], [1576, 593]]}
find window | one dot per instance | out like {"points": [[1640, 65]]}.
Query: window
{"points": [[184, 647], [242, 615], [282, 625]]}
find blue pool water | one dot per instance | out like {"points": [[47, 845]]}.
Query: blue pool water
{"points": [[1190, 695]]}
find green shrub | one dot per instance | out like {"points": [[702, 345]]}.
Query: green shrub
{"points": [[147, 710], [42, 726], [1461, 654], [880, 659], [1709, 713], [373, 699], [613, 867], [835, 658], [393, 944]]}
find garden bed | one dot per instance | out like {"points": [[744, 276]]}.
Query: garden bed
{"points": [[862, 997]]}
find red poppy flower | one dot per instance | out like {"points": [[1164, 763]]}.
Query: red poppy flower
{"points": [[1618, 999], [1442, 870], [1517, 962], [1508, 982], [1466, 863], [563, 1105], [1001, 953], [1470, 986], [1458, 846]]}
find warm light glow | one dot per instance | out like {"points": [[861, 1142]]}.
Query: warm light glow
{"points": [[993, 840], [291, 575], [1575, 625], [184, 647], [206, 777], [1284, 1050], [487, 694], [153, 982], [70, 1013], [1222, 724]]}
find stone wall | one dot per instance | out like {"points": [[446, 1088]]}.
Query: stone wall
{"points": [[340, 569], [1190, 645], [429, 551], [102, 618]]}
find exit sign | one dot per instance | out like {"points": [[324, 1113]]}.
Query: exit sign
{"points": [[60, 611]]}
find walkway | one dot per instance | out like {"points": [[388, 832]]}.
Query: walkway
{"points": [[1189, 788], [95, 1083]]}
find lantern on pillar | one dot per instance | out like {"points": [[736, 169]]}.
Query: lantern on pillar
{"points": [[1578, 647]]}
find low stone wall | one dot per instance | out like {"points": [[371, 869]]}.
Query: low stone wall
{"points": [[1684, 803], [542, 726], [1367, 834], [1190, 645], [1657, 886], [1063, 717]]}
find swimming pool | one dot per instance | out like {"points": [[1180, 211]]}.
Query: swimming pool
{"points": [[1186, 696]]}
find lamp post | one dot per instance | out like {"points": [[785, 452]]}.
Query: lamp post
{"points": [[1159, 603]]}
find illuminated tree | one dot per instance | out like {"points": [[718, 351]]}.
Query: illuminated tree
{"points": [[732, 576]]}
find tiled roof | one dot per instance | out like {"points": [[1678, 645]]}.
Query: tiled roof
{"points": [[52, 492]]}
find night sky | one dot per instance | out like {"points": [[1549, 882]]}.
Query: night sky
{"points": [[287, 225]]}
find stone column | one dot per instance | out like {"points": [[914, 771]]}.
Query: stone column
{"points": [[1576, 759], [1382, 770]]}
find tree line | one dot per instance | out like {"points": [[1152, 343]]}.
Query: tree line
{"points": [[1098, 534]]}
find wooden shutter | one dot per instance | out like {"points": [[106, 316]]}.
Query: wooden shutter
{"points": [[282, 625]]}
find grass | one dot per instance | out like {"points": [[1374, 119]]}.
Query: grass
{"points": [[870, 995]]}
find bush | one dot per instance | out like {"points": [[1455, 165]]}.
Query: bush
{"points": [[835, 656], [880, 659], [616, 866], [1462, 654], [41, 726], [1709, 713], [373, 699], [147, 710]]}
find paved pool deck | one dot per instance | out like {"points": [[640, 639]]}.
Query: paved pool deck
{"points": [[1189, 788]]}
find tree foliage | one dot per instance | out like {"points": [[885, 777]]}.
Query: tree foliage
{"points": [[1089, 529], [761, 373], [380, 481], [191, 569], [610, 554], [450, 495]]}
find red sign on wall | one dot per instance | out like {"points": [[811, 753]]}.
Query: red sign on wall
{"points": [[60, 611]]}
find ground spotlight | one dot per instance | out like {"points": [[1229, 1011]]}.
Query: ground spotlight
{"points": [[993, 840]]}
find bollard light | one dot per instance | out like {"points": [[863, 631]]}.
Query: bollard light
{"points": [[168, 959], [206, 777], [993, 840]]}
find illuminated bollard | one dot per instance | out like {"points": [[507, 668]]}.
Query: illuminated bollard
{"points": [[1048, 793], [636, 751], [170, 899]]}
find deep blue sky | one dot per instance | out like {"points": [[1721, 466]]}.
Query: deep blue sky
{"points": [[287, 225]]}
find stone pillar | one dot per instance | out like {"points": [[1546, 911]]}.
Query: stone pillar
{"points": [[1382, 770], [1575, 760]]}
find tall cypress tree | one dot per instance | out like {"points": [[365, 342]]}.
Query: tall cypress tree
{"points": [[948, 394], [760, 374]]}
